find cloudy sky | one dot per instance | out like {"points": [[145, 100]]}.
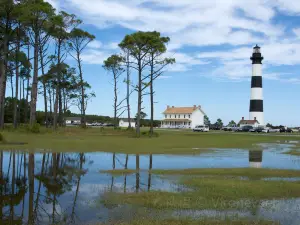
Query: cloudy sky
{"points": [[212, 42]]}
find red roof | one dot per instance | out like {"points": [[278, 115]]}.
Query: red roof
{"points": [[251, 122]]}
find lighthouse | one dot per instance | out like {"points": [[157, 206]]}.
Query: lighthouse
{"points": [[256, 102]]}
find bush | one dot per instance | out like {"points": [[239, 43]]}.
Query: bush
{"points": [[117, 128], [147, 133], [35, 128]]}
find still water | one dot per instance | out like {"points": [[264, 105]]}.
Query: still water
{"points": [[48, 188]]}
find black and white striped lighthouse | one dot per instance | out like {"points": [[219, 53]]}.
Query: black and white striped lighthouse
{"points": [[256, 101]]}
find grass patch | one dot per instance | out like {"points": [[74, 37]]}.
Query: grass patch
{"points": [[121, 141], [193, 222], [251, 173], [211, 193], [238, 172], [221, 189], [119, 172], [293, 152]]}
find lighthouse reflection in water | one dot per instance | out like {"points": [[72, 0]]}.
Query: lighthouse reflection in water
{"points": [[255, 158]]}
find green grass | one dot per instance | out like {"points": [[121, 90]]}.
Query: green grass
{"points": [[169, 142], [192, 222], [252, 173], [218, 189], [295, 152], [211, 193]]}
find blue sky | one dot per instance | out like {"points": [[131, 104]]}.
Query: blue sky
{"points": [[212, 41]]}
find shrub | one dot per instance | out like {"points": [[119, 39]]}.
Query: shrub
{"points": [[117, 128], [147, 133], [35, 128]]}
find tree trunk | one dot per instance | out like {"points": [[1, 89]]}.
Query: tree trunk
{"points": [[44, 86], [3, 65], [20, 106], [17, 85], [60, 119], [138, 119], [50, 101], [55, 110], [128, 89], [34, 80], [12, 86], [27, 91], [57, 89], [151, 95], [115, 100], [82, 90]]}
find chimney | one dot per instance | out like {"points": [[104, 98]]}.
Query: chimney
{"points": [[199, 106], [243, 118], [168, 107], [254, 118], [195, 106], [172, 106]]}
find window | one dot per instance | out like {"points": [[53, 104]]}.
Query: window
{"points": [[184, 116], [189, 116], [166, 116], [178, 116], [170, 116], [175, 116]]}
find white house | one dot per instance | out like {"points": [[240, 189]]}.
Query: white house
{"points": [[125, 123], [73, 120], [253, 123], [183, 117]]}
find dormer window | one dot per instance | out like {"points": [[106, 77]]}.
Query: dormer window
{"points": [[175, 116]]}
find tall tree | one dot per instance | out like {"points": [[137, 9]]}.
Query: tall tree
{"points": [[63, 22], [139, 46], [113, 64], [206, 120], [232, 123], [157, 64], [6, 14], [128, 82], [78, 41], [219, 123], [36, 14]]}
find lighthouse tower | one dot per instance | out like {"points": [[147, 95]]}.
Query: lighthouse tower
{"points": [[256, 101]]}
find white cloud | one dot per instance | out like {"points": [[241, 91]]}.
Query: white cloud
{"points": [[297, 32], [95, 56], [238, 24], [95, 44]]}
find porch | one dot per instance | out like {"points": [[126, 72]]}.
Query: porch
{"points": [[176, 123]]}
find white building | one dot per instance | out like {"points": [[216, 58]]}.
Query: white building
{"points": [[183, 117], [253, 123], [125, 123]]}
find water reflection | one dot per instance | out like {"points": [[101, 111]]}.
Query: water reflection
{"points": [[255, 158], [49, 188]]}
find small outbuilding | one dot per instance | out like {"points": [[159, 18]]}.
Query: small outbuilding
{"points": [[244, 122], [124, 122]]}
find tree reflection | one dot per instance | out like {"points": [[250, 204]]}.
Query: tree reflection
{"points": [[50, 175]]}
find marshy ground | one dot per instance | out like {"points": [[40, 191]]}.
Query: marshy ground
{"points": [[105, 177]]}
